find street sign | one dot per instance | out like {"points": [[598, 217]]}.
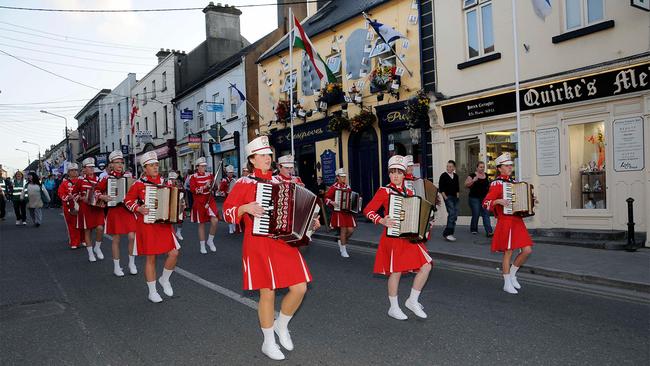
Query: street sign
{"points": [[213, 131], [214, 107], [125, 149], [187, 114], [194, 141]]}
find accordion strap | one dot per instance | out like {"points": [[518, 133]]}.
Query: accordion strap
{"points": [[260, 180], [403, 194]]}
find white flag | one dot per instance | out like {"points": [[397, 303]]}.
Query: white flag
{"points": [[542, 8]]}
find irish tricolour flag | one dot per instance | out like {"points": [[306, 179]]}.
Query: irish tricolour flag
{"points": [[300, 40]]}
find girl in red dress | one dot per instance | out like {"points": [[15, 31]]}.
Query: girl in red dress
{"points": [[342, 220], [268, 264], [152, 239], [394, 255], [70, 206], [89, 217], [511, 232], [119, 220], [204, 208]]}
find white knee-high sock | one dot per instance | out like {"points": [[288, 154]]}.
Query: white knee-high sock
{"points": [[269, 336], [415, 295], [393, 301], [513, 270], [166, 274]]}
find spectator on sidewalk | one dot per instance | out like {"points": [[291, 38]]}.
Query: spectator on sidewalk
{"points": [[50, 185], [3, 199], [18, 199], [188, 193], [36, 196], [449, 187], [478, 184]]}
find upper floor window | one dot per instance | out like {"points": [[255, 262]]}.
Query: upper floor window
{"points": [[166, 119], [581, 13], [144, 96], [105, 125], [234, 101], [199, 113], [153, 89], [112, 122], [334, 64], [164, 81], [480, 29], [290, 84]]}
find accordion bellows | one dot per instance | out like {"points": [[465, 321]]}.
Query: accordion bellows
{"points": [[520, 197], [117, 189], [164, 204]]}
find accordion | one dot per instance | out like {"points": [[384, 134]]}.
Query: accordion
{"points": [[91, 198], [426, 190], [411, 215], [164, 204], [289, 212], [117, 188], [520, 199], [347, 201]]}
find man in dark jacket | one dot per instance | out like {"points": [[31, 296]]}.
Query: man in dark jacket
{"points": [[449, 187]]}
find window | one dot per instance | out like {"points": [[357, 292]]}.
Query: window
{"points": [[153, 89], [112, 122], [146, 124], [164, 81], [105, 125], [199, 113], [581, 13], [234, 101], [480, 33], [290, 81], [119, 116], [166, 119], [112, 146], [334, 64], [155, 125], [587, 168], [144, 96], [137, 99], [497, 143], [186, 128]]}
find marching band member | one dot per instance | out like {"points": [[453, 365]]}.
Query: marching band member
{"points": [[172, 179], [152, 239], [511, 232], [268, 264], [344, 221], [396, 255], [204, 208], [70, 206], [89, 217], [408, 174], [245, 172], [119, 220], [224, 189], [286, 170]]}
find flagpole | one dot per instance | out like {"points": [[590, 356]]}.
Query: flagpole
{"points": [[291, 39], [515, 39], [388, 44]]}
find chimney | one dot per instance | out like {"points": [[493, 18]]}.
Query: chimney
{"points": [[222, 32], [162, 54]]}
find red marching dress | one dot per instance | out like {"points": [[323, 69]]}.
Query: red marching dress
{"points": [[511, 232], [339, 218], [119, 219], [202, 196], [150, 239], [67, 197], [282, 178], [89, 217], [267, 263], [394, 254]]}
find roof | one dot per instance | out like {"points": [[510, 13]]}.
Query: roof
{"points": [[332, 14], [97, 97]]}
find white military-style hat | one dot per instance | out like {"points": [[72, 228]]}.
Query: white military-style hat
{"points": [[341, 172], [117, 154], [172, 175], [73, 166], [88, 162], [504, 159], [409, 160], [286, 161], [230, 169], [397, 162], [149, 157], [259, 146], [200, 161]]}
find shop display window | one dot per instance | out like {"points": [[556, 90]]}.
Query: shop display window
{"points": [[587, 166], [497, 143]]}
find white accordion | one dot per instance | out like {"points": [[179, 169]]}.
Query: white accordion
{"points": [[164, 204], [520, 199], [117, 189]]}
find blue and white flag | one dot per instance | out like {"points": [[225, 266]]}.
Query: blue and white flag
{"points": [[388, 34], [542, 8], [236, 94]]}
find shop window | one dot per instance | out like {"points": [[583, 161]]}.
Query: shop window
{"points": [[587, 166], [466, 157], [406, 143], [497, 143], [479, 28], [581, 13]]}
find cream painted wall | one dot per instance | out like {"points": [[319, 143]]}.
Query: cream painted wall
{"points": [[630, 36]]}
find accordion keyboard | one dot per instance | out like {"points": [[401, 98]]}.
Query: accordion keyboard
{"points": [[263, 196], [395, 209], [150, 202]]}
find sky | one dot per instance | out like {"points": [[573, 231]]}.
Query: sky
{"points": [[98, 50]]}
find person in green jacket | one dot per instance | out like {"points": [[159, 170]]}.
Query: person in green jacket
{"points": [[19, 200]]}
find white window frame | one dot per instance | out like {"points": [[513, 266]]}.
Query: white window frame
{"points": [[584, 16], [478, 5]]}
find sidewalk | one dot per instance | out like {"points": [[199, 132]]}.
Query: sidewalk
{"points": [[620, 269]]}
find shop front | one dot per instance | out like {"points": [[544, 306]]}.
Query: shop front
{"points": [[166, 157], [228, 152], [582, 143], [316, 149]]}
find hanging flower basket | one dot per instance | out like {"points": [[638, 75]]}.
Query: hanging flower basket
{"points": [[417, 110], [338, 123], [381, 78], [361, 121], [332, 94], [282, 110]]}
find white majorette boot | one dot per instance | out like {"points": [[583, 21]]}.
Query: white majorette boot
{"points": [[513, 277], [98, 250], [507, 285], [164, 282], [91, 255], [281, 328], [117, 270], [132, 268], [395, 312], [153, 293], [269, 347], [203, 250], [179, 236], [210, 243], [344, 251]]}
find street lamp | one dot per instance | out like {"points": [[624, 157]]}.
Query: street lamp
{"points": [[68, 151], [26, 152], [39, 154]]}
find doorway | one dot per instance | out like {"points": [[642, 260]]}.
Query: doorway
{"points": [[364, 163], [306, 160], [467, 156]]}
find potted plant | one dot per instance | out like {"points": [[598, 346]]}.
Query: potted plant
{"points": [[417, 110], [332, 94], [361, 121], [381, 78], [338, 123], [282, 111]]}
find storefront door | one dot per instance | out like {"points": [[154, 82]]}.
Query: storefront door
{"points": [[306, 160], [364, 163], [467, 156]]}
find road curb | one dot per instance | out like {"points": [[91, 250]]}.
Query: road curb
{"points": [[548, 272]]}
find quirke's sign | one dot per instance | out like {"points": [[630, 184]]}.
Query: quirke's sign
{"points": [[606, 84]]}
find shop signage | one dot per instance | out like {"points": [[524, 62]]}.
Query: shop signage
{"points": [[185, 150], [187, 114], [392, 116], [162, 152], [605, 84], [304, 133], [213, 107], [225, 145], [628, 144], [328, 165], [125, 149], [194, 141], [547, 141], [101, 159]]}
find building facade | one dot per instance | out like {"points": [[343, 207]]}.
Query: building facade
{"points": [[114, 128], [370, 78], [584, 130], [56, 158], [88, 129]]}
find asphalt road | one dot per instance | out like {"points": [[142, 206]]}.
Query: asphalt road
{"points": [[56, 308]]}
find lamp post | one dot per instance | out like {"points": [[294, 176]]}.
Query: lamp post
{"points": [[39, 154], [68, 151], [29, 160]]}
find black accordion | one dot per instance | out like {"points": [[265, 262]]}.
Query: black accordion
{"points": [[347, 201]]}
